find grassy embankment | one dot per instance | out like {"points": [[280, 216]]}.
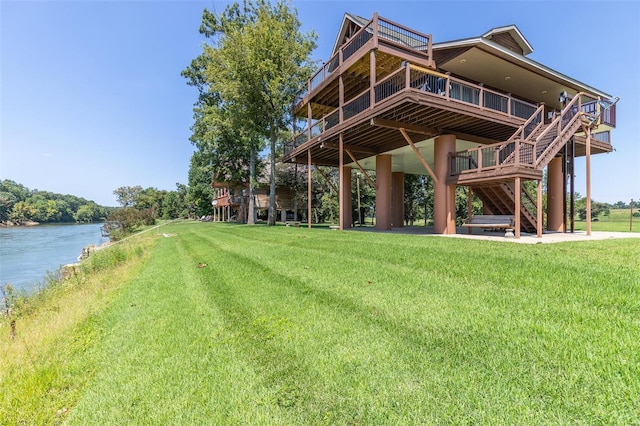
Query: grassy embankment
{"points": [[297, 326]]}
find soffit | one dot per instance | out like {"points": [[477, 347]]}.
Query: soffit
{"points": [[485, 67], [405, 160]]}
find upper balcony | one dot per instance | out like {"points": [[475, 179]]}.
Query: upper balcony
{"points": [[387, 38], [384, 78]]}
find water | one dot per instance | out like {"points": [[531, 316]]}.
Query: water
{"points": [[28, 254]]}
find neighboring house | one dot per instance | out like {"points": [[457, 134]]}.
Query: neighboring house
{"points": [[231, 200], [473, 112]]}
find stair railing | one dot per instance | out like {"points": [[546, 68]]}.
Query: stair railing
{"points": [[563, 121], [506, 151], [520, 133]]}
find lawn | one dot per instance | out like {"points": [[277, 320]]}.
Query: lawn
{"points": [[230, 324], [617, 221]]}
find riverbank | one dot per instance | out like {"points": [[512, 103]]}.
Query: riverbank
{"points": [[45, 367], [9, 224]]}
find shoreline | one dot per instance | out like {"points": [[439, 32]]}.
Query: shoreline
{"points": [[9, 224]]}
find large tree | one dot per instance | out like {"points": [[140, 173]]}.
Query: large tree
{"points": [[247, 76]]}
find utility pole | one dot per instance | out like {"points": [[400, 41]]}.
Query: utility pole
{"points": [[631, 216]]}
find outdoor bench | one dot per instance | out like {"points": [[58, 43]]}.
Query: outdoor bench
{"points": [[505, 222]]}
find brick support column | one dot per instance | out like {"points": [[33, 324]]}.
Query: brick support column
{"points": [[345, 193], [444, 200], [383, 192], [555, 219], [397, 199]]}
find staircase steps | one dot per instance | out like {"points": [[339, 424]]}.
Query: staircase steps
{"points": [[500, 199]]}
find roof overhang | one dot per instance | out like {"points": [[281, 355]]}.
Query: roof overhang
{"points": [[496, 66], [515, 33], [348, 18]]}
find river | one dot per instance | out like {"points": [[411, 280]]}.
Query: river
{"points": [[27, 254]]}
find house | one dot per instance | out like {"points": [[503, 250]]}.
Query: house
{"points": [[474, 112], [231, 202]]}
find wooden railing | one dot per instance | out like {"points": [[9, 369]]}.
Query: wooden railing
{"points": [[548, 139], [527, 147], [518, 153], [376, 29], [411, 77]]}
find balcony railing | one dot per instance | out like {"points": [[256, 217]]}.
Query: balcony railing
{"points": [[488, 157], [606, 110], [376, 29], [411, 77]]}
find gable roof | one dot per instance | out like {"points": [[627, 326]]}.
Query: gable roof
{"points": [[515, 34], [505, 42], [346, 20]]}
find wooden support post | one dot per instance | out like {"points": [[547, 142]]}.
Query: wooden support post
{"points": [[469, 207], [309, 120], [309, 189], [517, 205], [588, 171], [341, 206], [340, 98], [572, 187], [372, 77], [366, 175], [419, 155], [540, 217], [327, 179]]}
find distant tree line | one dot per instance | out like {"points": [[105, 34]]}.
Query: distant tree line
{"points": [[19, 205], [156, 203]]}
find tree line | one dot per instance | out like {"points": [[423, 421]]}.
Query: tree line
{"points": [[20, 205]]}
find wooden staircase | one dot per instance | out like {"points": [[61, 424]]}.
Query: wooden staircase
{"points": [[500, 199], [531, 147]]}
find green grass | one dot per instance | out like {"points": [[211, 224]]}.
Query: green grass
{"points": [[298, 326], [617, 221]]}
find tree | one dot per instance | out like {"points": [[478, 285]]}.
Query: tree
{"points": [[7, 201], [250, 73], [200, 193], [174, 205], [597, 208], [127, 196]]}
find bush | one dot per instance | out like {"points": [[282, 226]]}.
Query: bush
{"points": [[129, 219]]}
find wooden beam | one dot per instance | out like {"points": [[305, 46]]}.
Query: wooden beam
{"points": [[352, 148], [397, 125], [309, 189], [327, 179], [341, 205], [517, 203], [469, 206], [366, 175], [419, 155], [470, 138], [540, 217], [588, 173]]}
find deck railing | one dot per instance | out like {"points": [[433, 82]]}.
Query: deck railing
{"points": [[357, 105], [488, 157], [377, 28], [602, 136], [606, 110], [411, 77], [530, 148]]}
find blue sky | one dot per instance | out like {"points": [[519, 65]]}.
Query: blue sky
{"points": [[91, 96]]}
